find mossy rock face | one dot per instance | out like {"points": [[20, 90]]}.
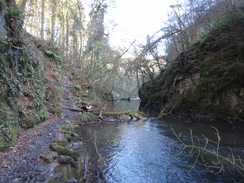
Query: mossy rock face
{"points": [[209, 82], [24, 97]]}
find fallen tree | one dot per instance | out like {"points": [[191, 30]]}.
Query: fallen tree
{"points": [[132, 114]]}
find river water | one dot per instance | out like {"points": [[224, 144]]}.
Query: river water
{"points": [[144, 151]]}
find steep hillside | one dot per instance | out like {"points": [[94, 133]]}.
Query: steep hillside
{"points": [[207, 81], [32, 80], [28, 77]]}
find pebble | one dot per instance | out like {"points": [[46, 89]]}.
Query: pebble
{"points": [[76, 145], [5, 164], [75, 164], [55, 176], [67, 121], [64, 159], [74, 135], [71, 181]]}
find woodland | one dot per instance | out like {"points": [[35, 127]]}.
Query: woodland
{"points": [[74, 34], [78, 29], [57, 65]]}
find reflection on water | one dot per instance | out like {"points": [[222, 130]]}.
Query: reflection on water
{"points": [[141, 151], [143, 154]]}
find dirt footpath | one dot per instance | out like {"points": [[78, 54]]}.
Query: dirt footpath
{"points": [[22, 163]]}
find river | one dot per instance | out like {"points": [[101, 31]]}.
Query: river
{"points": [[144, 151]]}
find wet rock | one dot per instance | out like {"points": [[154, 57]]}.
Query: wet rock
{"points": [[64, 159], [68, 137], [76, 145], [64, 142], [72, 181], [49, 157], [105, 149], [17, 180], [55, 176], [75, 164], [67, 121], [74, 135], [64, 151]]}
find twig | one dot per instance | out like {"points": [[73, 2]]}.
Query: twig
{"points": [[86, 162], [101, 114], [18, 48], [99, 154], [132, 114], [222, 161]]}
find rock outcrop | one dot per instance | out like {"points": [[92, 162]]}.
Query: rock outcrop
{"points": [[207, 81]]}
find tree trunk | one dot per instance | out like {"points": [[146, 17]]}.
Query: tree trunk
{"points": [[22, 5], [67, 36], [53, 20], [42, 18]]}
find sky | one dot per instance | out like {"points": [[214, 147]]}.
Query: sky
{"points": [[135, 19]]}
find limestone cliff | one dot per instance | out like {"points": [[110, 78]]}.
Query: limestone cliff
{"points": [[207, 81]]}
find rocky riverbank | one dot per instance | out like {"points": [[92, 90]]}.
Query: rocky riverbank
{"points": [[23, 162]]}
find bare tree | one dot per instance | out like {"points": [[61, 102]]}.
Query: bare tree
{"points": [[42, 18], [22, 5]]}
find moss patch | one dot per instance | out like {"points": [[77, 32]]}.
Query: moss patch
{"points": [[68, 127], [64, 151], [64, 142]]}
